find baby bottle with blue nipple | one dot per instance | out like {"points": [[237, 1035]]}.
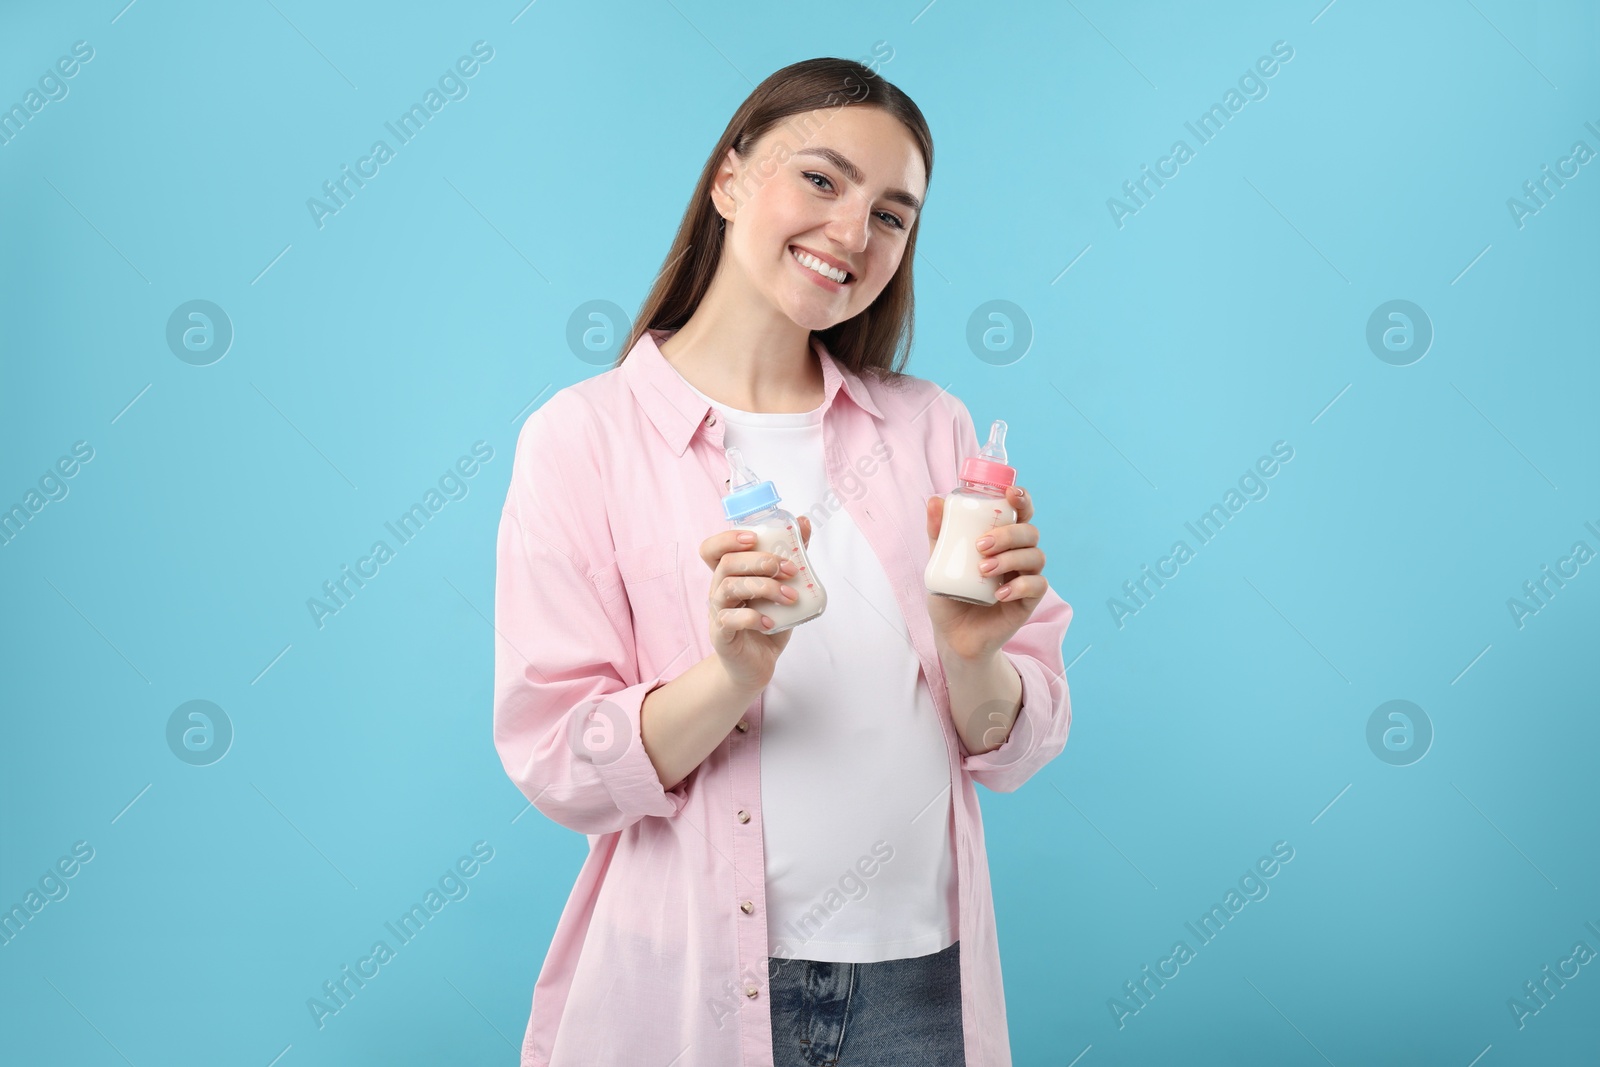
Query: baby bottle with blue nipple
{"points": [[752, 505]]}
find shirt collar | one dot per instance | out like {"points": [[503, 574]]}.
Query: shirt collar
{"points": [[678, 411]]}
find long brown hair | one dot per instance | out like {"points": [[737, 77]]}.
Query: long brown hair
{"points": [[878, 339]]}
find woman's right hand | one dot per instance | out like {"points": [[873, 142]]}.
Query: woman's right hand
{"points": [[740, 574]]}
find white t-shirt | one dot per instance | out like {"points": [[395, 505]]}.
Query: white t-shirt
{"points": [[854, 777]]}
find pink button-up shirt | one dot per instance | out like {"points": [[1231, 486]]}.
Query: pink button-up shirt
{"points": [[660, 954]]}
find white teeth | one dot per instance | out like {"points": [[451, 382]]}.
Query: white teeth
{"points": [[831, 273]]}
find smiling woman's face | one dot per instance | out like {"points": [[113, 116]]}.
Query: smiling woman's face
{"points": [[842, 186]]}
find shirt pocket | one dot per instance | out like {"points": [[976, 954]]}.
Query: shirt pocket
{"points": [[652, 579]]}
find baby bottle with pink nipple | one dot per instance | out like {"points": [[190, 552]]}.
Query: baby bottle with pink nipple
{"points": [[752, 505], [971, 510]]}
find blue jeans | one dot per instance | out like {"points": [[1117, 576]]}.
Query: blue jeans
{"points": [[895, 1013]]}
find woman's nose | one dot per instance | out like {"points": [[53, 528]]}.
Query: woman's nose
{"points": [[850, 225]]}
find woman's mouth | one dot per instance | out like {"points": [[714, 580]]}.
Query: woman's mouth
{"points": [[825, 275]]}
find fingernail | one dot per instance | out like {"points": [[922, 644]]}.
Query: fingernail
{"points": [[986, 566], [788, 567], [1004, 591], [747, 538], [985, 542]]}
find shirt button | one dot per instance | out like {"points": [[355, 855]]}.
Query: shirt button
{"points": [[747, 907], [744, 816], [750, 991], [742, 726], [711, 418]]}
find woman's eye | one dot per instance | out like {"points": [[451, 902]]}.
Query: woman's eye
{"points": [[888, 216]]}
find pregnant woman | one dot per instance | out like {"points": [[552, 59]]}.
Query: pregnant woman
{"points": [[786, 853]]}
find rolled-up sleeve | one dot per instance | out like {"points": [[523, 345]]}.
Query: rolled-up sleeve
{"points": [[1039, 733], [567, 692]]}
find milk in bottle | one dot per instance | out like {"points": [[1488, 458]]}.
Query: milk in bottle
{"points": [[971, 510], [752, 505]]}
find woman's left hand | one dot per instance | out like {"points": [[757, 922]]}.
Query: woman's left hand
{"points": [[973, 631]]}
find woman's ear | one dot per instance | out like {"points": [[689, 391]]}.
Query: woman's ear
{"points": [[721, 198]]}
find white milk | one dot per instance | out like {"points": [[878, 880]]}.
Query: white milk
{"points": [[752, 504], [784, 541], [976, 506], [953, 568]]}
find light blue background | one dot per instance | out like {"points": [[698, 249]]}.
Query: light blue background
{"points": [[430, 313]]}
